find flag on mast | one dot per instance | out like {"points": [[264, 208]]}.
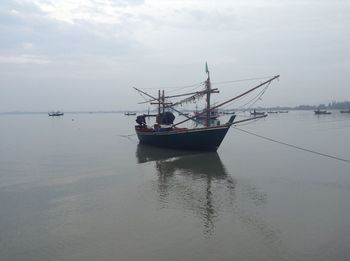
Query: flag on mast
{"points": [[206, 67]]}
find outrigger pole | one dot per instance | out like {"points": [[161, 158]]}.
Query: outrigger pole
{"points": [[175, 96]]}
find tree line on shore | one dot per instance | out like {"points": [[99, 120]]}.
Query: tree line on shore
{"points": [[334, 105]]}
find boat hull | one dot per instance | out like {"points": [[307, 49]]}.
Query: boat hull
{"points": [[55, 114], [257, 113], [208, 139], [322, 112]]}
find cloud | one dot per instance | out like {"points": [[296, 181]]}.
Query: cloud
{"points": [[69, 30], [92, 11], [157, 39], [32, 29], [24, 59]]}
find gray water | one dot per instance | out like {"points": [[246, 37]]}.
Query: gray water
{"points": [[74, 188]]}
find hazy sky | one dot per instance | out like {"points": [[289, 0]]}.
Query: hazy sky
{"points": [[87, 54]]}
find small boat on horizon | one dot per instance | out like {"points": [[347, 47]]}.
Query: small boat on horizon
{"points": [[129, 113], [55, 113], [343, 111], [257, 113], [321, 112]]}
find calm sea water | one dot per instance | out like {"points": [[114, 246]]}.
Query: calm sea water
{"points": [[74, 188]]}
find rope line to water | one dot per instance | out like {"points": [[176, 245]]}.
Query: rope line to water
{"points": [[126, 135], [293, 146]]}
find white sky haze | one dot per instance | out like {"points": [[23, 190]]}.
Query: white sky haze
{"points": [[88, 54]]}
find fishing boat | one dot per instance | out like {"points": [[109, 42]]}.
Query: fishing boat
{"points": [[347, 111], [257, 113], [55, 113], [166, 133], [321, 112]]}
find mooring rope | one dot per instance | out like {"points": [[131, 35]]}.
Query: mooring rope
{"points": [[293, 146], [126, 135]]}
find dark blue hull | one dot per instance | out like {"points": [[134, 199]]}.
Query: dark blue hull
{"points": [[208, 139]]}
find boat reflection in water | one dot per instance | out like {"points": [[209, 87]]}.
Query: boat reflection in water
{"points": [[189, 177], [199, 183]]}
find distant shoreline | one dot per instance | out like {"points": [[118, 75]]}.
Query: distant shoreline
{"points": [[330, 106], [277, 109], [70, 112]]}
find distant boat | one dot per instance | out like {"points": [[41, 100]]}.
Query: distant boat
{"points": [[319, 112], [55, 113], [257, 113], [129, 113], [348, 111], [165, 133]]}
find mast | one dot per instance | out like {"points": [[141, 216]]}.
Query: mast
{"points": [[208, 95], [159, 101], [209, 91], [163, 101], [162, 105]]}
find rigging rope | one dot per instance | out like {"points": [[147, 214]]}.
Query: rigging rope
{"points": [[293, 146], [252, 101], [176, 88], [200, 84], [195, 86], [242, 80]]}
